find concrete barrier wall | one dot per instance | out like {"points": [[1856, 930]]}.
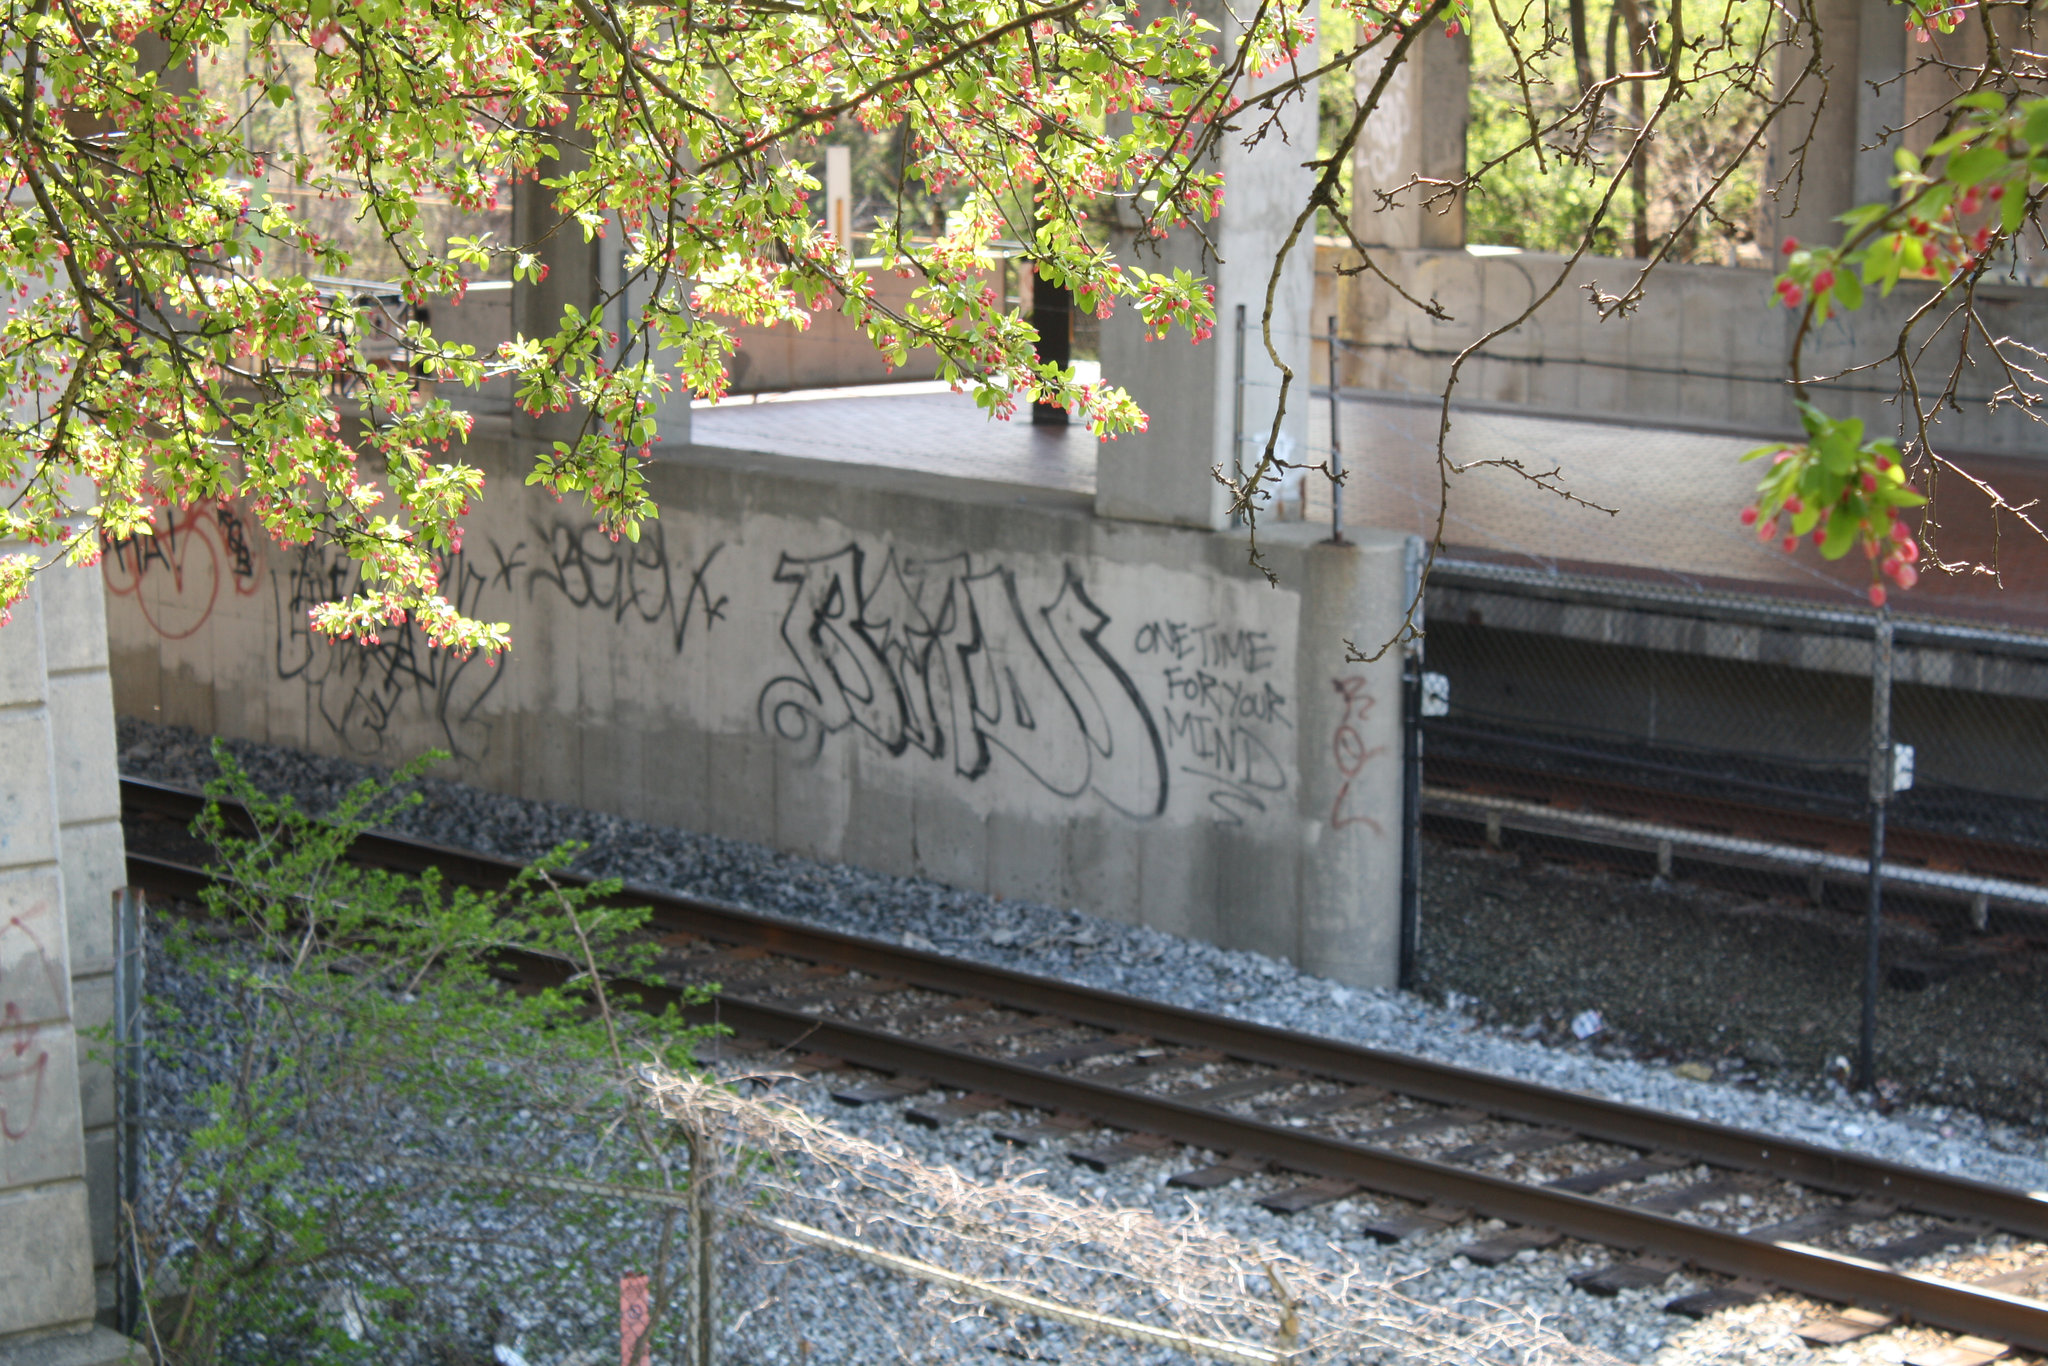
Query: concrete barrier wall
{"points": [[979, 683], [833, 351], [830, 353], [1706, 348]]}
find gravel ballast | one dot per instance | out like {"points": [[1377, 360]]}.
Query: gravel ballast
{"points": [[1141, 961], [1748, 987]]}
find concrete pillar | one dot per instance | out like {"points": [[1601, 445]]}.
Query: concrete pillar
{"points": [[1418, 129], [61, 857], [1842, 122], [1166, 473], [581, 275], [1349, 752]]}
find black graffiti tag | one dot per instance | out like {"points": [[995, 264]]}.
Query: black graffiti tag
{"points": [[359, 689], [624, 578], [935, 657]]}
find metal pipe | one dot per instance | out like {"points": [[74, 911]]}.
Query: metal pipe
{"points": [[1880, 794], [1336, 448], [703, 1216], [1735, 850]]}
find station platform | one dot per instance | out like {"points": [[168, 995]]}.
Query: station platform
{"points": [[1647, 503]]}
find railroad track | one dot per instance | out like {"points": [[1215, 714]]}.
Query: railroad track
{"points": [[1113, 1078]]}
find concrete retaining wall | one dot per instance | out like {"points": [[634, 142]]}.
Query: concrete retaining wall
{"points": [[833, 351], [980, 683]]}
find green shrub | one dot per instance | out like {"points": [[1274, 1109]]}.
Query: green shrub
{"points": [[388, 1139]]}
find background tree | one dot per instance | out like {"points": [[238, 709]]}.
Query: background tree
{"points": [[1662, 158], [167, 343], [177, 171]]}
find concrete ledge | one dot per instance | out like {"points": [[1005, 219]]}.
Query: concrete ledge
{"points": [[882, 479], [98, 1347], [2007, 664]]}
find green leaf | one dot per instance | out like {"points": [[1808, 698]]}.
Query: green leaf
{"points": [[1848, 289], [1841, 535], [2012, 210], [280, 94], [2035, 130], [1976, 165]]}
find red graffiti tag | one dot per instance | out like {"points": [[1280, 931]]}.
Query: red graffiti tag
{"points": [[193, 552], [26, 973], [1349, 749]]}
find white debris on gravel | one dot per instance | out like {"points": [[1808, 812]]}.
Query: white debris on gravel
{"points": [[1145, 962]]}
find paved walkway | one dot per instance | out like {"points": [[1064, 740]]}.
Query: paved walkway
{"points": [[920, 426], [1675, 495]]}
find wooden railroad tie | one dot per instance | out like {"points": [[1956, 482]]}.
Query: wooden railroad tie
{"points": [[1431, 1218], [1108, 1155], [1308, 1195]]}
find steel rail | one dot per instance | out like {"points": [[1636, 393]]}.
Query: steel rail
{"points": [[1795, 1266], [1633, 1126]]}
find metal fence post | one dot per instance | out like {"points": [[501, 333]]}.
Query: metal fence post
{"points": [[1411, 772], [129, 1101], [1880, 795], [1336, 447], [703, 1242], [1237, 418], [1411, 811]]}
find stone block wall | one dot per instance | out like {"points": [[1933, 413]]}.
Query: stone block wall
{"points": [[61, 859]]}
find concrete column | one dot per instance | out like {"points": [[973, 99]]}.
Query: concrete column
{"points": [[1166, 473], [61, 856], [1349, 752], [1842, 122], [1418, 129], [573, 280], [581, 275]]}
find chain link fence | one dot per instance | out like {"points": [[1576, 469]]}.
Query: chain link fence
{"points": [[1871, 795]]}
